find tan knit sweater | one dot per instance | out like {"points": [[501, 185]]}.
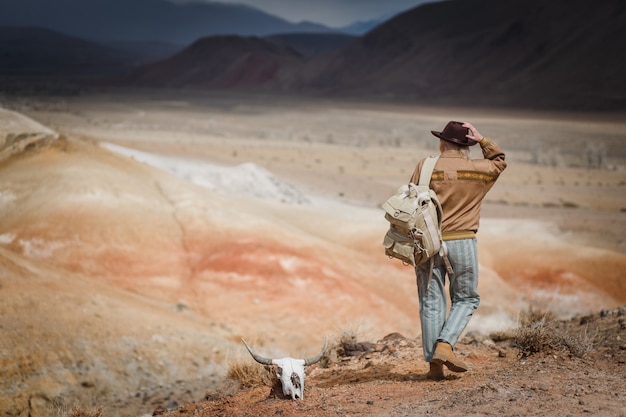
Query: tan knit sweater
{"points": [[461, 184]]}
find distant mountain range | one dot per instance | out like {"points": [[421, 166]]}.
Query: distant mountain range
{"points": [[313, 44], [565, 54], [363, 26], [535, 53], [146, 20], [558, 54], [219, 62], [39, 51]]}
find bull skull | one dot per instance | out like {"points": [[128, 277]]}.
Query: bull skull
{"points": [[289, 371]]}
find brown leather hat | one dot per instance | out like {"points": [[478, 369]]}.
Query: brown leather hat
{"points": [[455, 132]]}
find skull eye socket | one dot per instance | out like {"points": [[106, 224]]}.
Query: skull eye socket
{"points": [[295, 380]]}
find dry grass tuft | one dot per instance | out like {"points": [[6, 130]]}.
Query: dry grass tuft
{"points": [[578, 345], [535, 333], [57, 408], [349, 334], [82, 413], [539, 332], [79, 412], [249, 375]]}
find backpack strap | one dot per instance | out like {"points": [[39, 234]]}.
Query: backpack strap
{"points": [[425, 174], [427, 170], [443, 252]]}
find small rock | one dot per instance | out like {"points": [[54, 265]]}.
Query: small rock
{"points": [[159, 410], [379, 347], [394, 337], [391, 350], [489, 343], [356, 349]]}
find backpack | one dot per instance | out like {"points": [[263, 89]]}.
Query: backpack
{"points": [[414, 215]]}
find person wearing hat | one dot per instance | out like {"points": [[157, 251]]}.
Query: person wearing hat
{"points": [[461, 183]]}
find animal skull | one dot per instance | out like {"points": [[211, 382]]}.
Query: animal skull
{"points": [[289, 371]]}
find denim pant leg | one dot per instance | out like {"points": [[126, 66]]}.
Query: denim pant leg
{"points": [[433, 304], [463, 255], [463, 294]]}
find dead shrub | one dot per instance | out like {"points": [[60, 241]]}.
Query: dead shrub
{"points": [[249, 375], [58, 408], [347, 335], [534, 335], [79, 412], [578, 345], [538, 332]]}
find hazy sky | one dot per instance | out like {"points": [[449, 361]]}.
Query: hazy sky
{"points": [[332, 13]]}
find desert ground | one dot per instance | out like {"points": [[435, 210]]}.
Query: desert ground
{"points": [[144, 233]]}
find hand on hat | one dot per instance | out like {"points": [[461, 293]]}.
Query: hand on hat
{"points": [[475, 136]]}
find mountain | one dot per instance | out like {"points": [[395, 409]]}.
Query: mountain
{"points": [[40, 51], [142, 20], [361, 27], [559, 54], [31, 50], [143, 52], [35, 50], [522, 53], [312, 44], [218, 62]]}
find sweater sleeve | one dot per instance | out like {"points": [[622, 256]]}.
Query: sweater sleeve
{"points": [[496, 156]]}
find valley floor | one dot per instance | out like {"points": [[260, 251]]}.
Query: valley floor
{"points": [[90, 238]]}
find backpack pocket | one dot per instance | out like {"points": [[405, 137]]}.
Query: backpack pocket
{"points": [[400, 246]]}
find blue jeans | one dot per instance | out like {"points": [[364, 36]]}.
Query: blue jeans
{"points": [[463, 256]]}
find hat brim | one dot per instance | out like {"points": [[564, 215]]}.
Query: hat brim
{"points": [[453, 140]]}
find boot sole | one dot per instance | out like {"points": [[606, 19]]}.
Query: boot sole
{"points": [[435, 377], [450, 365]]}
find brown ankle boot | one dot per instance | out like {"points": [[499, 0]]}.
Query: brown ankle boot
{"points": [[436, 372], [444, 356]]}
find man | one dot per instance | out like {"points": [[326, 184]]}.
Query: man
{"points": [[461, 184]]}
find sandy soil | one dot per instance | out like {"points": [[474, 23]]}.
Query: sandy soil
{"points": [[300, 251], [387, 381], [358, 152]]}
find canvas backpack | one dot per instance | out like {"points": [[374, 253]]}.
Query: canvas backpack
{"points": [[414, 215]]}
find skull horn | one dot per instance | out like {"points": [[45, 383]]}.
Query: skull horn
{"points": [[259, 359], [316, 358]]}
